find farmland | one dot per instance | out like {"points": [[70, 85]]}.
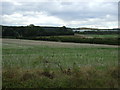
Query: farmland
{"points": [[81, 38], [60, 34], [101, 36], [33, 64]]}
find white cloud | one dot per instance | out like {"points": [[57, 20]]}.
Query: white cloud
{"points": [[95, 13], [36, 18], [94, 23], [60, 0]]}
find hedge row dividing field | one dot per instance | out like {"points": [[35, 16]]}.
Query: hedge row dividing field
{"points": [[79, 39]]}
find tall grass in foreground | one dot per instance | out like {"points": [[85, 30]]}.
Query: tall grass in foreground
{"points": [[84, 77]]}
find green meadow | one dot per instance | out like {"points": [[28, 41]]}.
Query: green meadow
{"points": [[55, 65]]}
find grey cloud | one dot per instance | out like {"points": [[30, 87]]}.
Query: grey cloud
{"points": [[8, 8], [83, 10], [64, 10]]}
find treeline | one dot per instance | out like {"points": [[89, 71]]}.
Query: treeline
{"points": [[34, 31], [99, 32]]}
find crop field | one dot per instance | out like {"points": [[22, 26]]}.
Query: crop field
{"points": [[33, 64], [103, 36]]}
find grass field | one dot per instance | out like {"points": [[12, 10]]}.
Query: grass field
{"points": [[45, 64], [103, 36]]}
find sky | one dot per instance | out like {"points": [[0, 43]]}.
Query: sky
{"points": [[69, 13]]}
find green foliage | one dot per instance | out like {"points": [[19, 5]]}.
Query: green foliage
{"points": [[34, 31]]}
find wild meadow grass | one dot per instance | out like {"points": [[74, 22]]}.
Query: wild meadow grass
{"points": [[36, 66]]}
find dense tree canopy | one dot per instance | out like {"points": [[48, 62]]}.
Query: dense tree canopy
{"points": [[32, 31]]}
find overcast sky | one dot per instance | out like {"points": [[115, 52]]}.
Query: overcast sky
{"points": [[77, 13]]}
